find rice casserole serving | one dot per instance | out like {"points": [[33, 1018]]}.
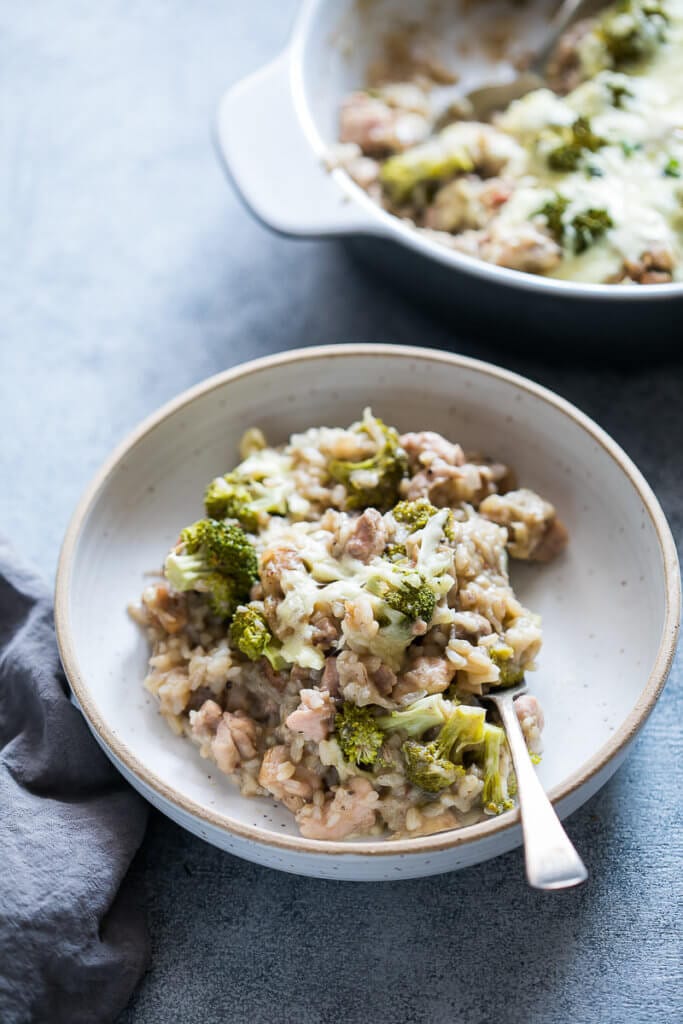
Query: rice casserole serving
{"points": [[325, 633]]}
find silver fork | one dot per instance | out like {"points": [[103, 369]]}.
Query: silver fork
{"points": [[551, 860], [486, 98]]}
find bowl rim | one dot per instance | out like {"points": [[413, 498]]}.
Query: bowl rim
{"points": [[382, 847], [383, 224]]}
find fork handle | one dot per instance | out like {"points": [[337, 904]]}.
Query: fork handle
{"points": [[562, 19], [551, 860]]}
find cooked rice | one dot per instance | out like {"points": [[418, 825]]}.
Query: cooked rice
{"points": [[275, 732]]}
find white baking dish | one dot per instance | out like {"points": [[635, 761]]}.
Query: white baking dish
{"points": [[275, 127]]}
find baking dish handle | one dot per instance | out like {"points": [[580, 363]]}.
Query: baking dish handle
{"points": [[273, 165]]}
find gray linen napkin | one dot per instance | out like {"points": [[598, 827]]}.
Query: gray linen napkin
{"points": [[73, 939]]}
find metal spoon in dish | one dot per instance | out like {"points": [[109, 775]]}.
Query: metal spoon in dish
{"points": [[551, 860], [482, 102]]}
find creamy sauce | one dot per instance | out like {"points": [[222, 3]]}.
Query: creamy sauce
{"points": [[627, 176]]}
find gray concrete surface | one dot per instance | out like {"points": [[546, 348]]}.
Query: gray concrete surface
{"points": [[129, 271]]}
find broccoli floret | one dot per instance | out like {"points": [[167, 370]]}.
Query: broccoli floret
{"points": [[406, 591], [253, 440], [409, 592], [426, 165], [235, 497], [416, 514], [554, 211], [509, 673], [588, 226], [373, 481], [227, 498], [426, 769], [435, 766], [225, 547], [260, 486], [358, 735], [419, 716], [414, 600], [618, 93], [495, 796], [672, 168], [576, 140], [395, 552], [584, 228], [633, 30], [215, 558], [249, 634]]}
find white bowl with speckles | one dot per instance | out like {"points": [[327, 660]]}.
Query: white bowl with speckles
{"points": [[610, 604]]}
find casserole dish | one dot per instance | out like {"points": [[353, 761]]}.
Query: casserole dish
{"points": [[275, 127]]}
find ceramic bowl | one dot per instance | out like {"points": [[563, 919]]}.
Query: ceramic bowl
{"points": [[610, 605], [275, 127]]}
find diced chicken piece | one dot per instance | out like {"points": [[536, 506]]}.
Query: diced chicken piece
{"points": [[534, 532], [501, 475], [228, 738], [164, 608], [447, 486], [530, 715], [349, 156], [273, 563], [384, 679], [352, 810], [363, 170], [325, 630], [427, 447], [655, 266], [291, 783], [314, 716], [205, 721], [553, 542], [379, 127], [523, 247], [175, 691], [368, 537], [350, 671], [467, 203], [443, 473], [362, 681], [424, 675]]}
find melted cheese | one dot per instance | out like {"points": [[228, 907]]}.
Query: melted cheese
{"points": [[628, 174]]}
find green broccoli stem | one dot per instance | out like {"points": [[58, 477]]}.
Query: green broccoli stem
{"points": [[183, 572], [495, 797], [419, 716]]}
